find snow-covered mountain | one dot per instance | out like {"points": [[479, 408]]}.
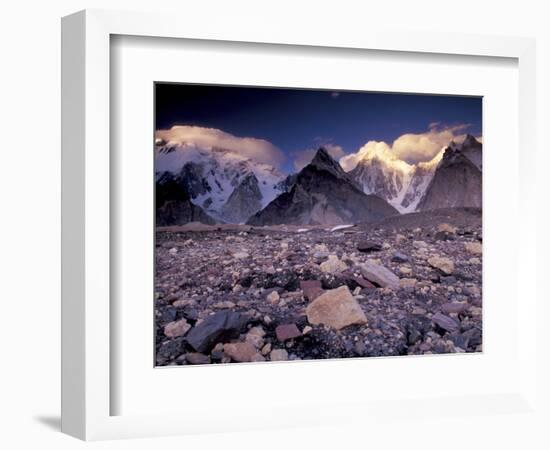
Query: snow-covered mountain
{"points": [[210, 175], [379, 172]]}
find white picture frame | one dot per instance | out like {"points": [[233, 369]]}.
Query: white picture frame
{"points": [[87, 324]]}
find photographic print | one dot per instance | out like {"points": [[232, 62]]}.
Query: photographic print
{"points": [[303, 224]]}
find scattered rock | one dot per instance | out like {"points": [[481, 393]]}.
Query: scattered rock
{"points": [[279, 355], [183, 302], [273, 297], [379, 275], [287, 331], [474, 247], [170, 350], [444, 236], [445, 322], [420, 245], [454, 308], [368, 246], [407, 282], [203, 277], [365, 284], [216, 328], [447, 228], [225, 305], [177, 328], [336, 308], [445, 265], [242, 352], [333, 265], [197, 358], [240, 255], [311, 289], [217, 352], [359, 348], [400, 257], [255, 336]]}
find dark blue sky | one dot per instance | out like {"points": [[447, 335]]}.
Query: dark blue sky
{"points": [[297, 119]]}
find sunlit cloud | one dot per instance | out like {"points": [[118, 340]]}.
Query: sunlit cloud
{"points": [[258, 150], [411, 148], [303, 157], [414, 148]]}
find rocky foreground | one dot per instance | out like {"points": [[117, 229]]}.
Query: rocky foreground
{"points": [[408, 285]]}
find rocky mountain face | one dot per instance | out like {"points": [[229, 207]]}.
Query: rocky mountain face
{"points": [[399, 183], [457, 181], [420, 177], [217, 179], [174, 206], [323, 193], [245, 200]]}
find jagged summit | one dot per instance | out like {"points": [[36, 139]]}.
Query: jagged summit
{"points": [[470, 141], [323, 161], [457, 181], [323, 194]]}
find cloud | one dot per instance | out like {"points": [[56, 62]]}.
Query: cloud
{"points": [[303, 157], [335, 94], [258, 150], [411, 148], [414, 148]]}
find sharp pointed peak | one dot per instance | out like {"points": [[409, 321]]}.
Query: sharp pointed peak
{"points": [[323, 160], [470, 140]]}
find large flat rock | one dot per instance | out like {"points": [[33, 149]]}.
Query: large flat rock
{"points": [[336, 308]]}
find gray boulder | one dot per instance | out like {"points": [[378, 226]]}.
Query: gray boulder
{"points": [[216, 328], [379, 275]]}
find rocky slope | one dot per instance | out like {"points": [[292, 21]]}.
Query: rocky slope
{"points": [[323, 193], [457, 181], [408, 285], [174, 206], [245, 200]]}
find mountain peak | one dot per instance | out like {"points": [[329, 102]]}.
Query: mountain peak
{"points": [[322, 156], [470, 141], [323, 161]]}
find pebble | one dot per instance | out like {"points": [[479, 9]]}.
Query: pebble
{"points": [[273, 297], [333, 265], [177, 328], [197, 358], [242, 352], [399, 257], [445, 265], [278, 355], [474, 247], [379, 275], [287, 331]]}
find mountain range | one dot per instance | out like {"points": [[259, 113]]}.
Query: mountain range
{"points": [[227, 186], [217, 185], [322, 193]]}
